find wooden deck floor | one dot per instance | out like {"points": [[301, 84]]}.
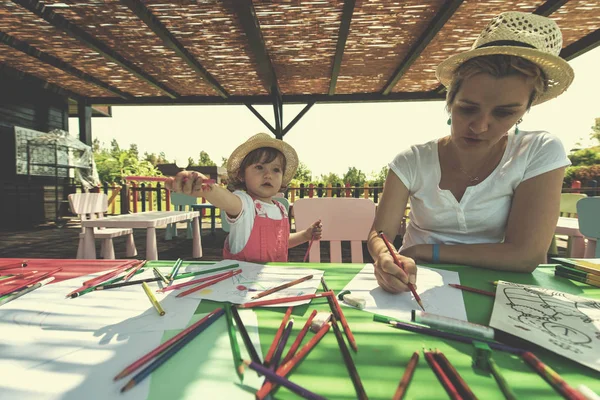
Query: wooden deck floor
{"points": [[49, 241]]}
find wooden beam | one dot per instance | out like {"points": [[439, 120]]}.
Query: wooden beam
{"points": [[84, 112], [143, 13], [347, 13], [549, 7], [260, 117], [57, 63], [59, 22], [268, 100], [18, 74], [436, 24], [297, 118], [581, 46], [247, 16]]}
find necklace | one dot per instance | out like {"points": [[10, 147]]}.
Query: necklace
{"points": [[472, 179]]}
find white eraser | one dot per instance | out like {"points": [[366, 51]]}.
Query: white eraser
{"points": [[355, 301], [319, 320]]}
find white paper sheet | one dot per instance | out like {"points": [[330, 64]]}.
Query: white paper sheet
{"points": [[105, 312], [432, 287], [256, 278], [563, 323]]}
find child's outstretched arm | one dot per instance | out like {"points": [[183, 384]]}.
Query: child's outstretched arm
{"points": [[315, 231], [190, 183]]}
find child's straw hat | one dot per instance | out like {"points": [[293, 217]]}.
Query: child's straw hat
{"points": [[529, 36], [256, 142]]}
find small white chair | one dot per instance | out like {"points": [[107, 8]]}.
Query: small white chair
{"points": [[93, 206], [344, 219]]}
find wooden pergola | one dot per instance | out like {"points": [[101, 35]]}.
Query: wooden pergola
{"points": [[111, 52]]}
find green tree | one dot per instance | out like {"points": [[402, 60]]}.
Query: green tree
{"points": [[191, 162], [224, 161], [354, 176], [303, 174], [204, 160], [331, 178], [133, 150], [113, 164]]}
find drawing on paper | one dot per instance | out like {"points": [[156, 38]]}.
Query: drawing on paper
{"points": [[564, 323]]}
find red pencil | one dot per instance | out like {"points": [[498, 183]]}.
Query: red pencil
{"points": [[451, 372], [13, 278], [444, 380], [29, 282], [275, 342], [343, 321], [98, 280], [471, 289], [286, 368], [299, 338], [408, 373], [195, 281], [21, 264], [284, 300], [399, 263], [133, 271], [210, 283], [149, 356], [308, 250]]}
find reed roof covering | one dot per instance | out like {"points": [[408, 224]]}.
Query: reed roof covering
{"points": [[257, 52]]}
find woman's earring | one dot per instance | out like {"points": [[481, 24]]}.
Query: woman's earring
{"points": [[449, 122], [517, 126]]}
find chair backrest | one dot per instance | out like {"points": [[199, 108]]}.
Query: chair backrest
{"points": [[568, 204], [225, 224], [182, 202], [344, 219], [588, 213], [88, 205]]}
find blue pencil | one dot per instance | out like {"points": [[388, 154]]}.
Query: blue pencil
{"points": [[175, 270], [171, 351]]}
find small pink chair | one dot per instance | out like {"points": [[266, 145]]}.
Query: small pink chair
{"points": [[93, 206], [346, 219]]}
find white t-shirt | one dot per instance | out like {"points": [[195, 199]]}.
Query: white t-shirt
{"points": [[241, 226], [482, 213]]}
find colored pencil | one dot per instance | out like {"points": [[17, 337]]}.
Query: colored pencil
{"points": [[280, 380], [195, 281], [160, 275], [453, 336], [459, 383], [30, 289], [334, 305], [133, 271], [502, 383], [277, 337], [284, 300], [208, 271], [152, 299], [172, 350], [122, 284], [588, 393], [99, 279], [399, 263], [575, 271], [175, 270], [21, 264], [299, 338], [473, 290], [28, 283], [590, 281], [93, 288], [352, 371], [286, 368], [247, 341], [443, 378], [13, 278], [161, 348], [281, 345], [281, 287], [235, 348], [553, 378], [406, 378], [209, 283], [308, 249]]}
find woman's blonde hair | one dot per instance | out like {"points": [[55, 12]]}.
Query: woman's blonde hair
{"points": [[498, 65]]}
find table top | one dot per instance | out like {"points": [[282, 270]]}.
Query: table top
{"points": [[147, 219], [383, 352], [568, 226]]}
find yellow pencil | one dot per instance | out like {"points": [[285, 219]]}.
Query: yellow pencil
{"points": [[153, 300]]}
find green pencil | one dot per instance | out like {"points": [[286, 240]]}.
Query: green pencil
{"points": [[208, 271], [235, 348], [93, 288], [501, 381]]}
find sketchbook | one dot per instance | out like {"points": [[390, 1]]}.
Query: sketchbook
{"points": [[566, 324]]}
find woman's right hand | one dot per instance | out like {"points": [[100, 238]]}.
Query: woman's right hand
{"points": [[391, 277], [188, 182]]}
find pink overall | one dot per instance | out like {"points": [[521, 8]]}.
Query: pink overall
{"points": [[268, 240]]}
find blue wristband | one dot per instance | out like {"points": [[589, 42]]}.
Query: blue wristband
{"points": [[435, 255]]}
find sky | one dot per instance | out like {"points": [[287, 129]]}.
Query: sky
{"points": [[335, 137]]}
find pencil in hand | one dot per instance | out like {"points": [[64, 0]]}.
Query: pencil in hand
{"points": [[399, 263]]}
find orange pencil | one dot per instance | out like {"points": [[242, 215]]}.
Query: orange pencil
{"points": [[399, 263], [209, 283], [195, 281], [286, 368], [344, 322], [299, 338], [284, 300], [284, 321], [281, 287], [133, 271], [408, 373]]}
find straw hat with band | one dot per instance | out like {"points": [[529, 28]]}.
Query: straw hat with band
{"points": [[529, 36], [256, 142]]}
